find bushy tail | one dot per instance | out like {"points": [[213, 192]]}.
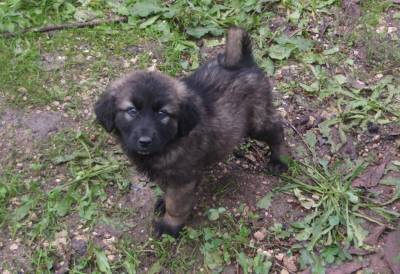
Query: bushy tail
{"points": [[238, 52]]}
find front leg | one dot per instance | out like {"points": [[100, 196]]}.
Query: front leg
{"points": [[179, 201]]}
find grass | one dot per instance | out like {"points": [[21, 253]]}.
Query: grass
{"points": [[77, 173], [336, 206]]}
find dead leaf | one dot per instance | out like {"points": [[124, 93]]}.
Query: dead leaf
{"points": [[370, 177], [359, 251], [351, 8], [391, 251], [290, 263], [373, 237], [346, 268], [349, 148], [378, 265], [357, 84]]}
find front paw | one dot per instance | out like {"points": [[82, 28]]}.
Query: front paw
{"points": [[161, 227], [159, 207], [277, 166]]}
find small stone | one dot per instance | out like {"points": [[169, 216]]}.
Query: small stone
{"points": [[22, 90], [13, 247], [268, 253], [111, 257], [279, 256], [259, 235], [310, 121], [284, 271], [290, 263], [250, 157], [381, 29], [391, 29], [282, 112]]}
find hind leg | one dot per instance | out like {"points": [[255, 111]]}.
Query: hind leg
{"points": [[269, 129]]}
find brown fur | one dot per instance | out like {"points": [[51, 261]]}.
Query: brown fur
{"points": [[210, 112]]}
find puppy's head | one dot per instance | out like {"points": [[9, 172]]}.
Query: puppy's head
{"points": [[148, 111]]}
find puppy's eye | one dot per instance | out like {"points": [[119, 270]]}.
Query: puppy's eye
{"points": [[162, 114], [132, 111]]}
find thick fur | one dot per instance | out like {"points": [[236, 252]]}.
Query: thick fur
{"points": [[208, 114]]}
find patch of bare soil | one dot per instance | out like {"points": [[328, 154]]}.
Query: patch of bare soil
{"points": [[21, 131]]}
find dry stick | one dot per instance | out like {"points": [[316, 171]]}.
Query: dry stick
{"points": [[75, 25], [301, 138]]}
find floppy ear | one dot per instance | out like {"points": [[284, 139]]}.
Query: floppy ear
{"points": [[188, 118], [106, 110]]}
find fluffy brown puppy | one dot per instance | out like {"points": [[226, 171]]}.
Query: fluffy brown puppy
{"points": [[173, 128]]}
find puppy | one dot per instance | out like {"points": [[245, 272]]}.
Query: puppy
{"points": [[172, 129]]}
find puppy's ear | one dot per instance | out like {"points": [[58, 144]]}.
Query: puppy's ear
{"points": [[106, 110], [189, 117]]}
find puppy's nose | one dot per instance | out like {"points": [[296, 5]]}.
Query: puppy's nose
{"points": [[145, 141]]}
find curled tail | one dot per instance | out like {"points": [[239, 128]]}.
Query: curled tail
{"points": [[238, 52]]}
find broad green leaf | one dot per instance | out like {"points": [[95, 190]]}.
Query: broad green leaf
{"points": [[352, 197], [324, 3], [304, 201], [279, 52], [358, 232], [22, 211], [331, 51], [213, 214], [333, 220], [267, 65], [155, 268], [311, 139], [146, 8], [102, 261], [243, 260], [197, 32], [329, 253], [311, 58], [129, 267], [302, 44], [391, 181], [63, 206], [340, 79], [261, 265], [304, 234], [149, 22], [265, 202], [295, 16], [213, 259], [314, 87]]}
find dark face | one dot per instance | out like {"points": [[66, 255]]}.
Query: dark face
{"points": [[148, 111], [147, 121]]}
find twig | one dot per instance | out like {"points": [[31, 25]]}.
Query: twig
{"points": [[302, 139], [74, 25]]}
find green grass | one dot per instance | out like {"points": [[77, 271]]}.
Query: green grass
{"points": [[336, 206]]}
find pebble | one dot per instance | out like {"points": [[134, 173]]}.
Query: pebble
{"points": [[290, 263], [279, 256], [284, 271], [13, 247], [259, 235], [111, 257]]}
